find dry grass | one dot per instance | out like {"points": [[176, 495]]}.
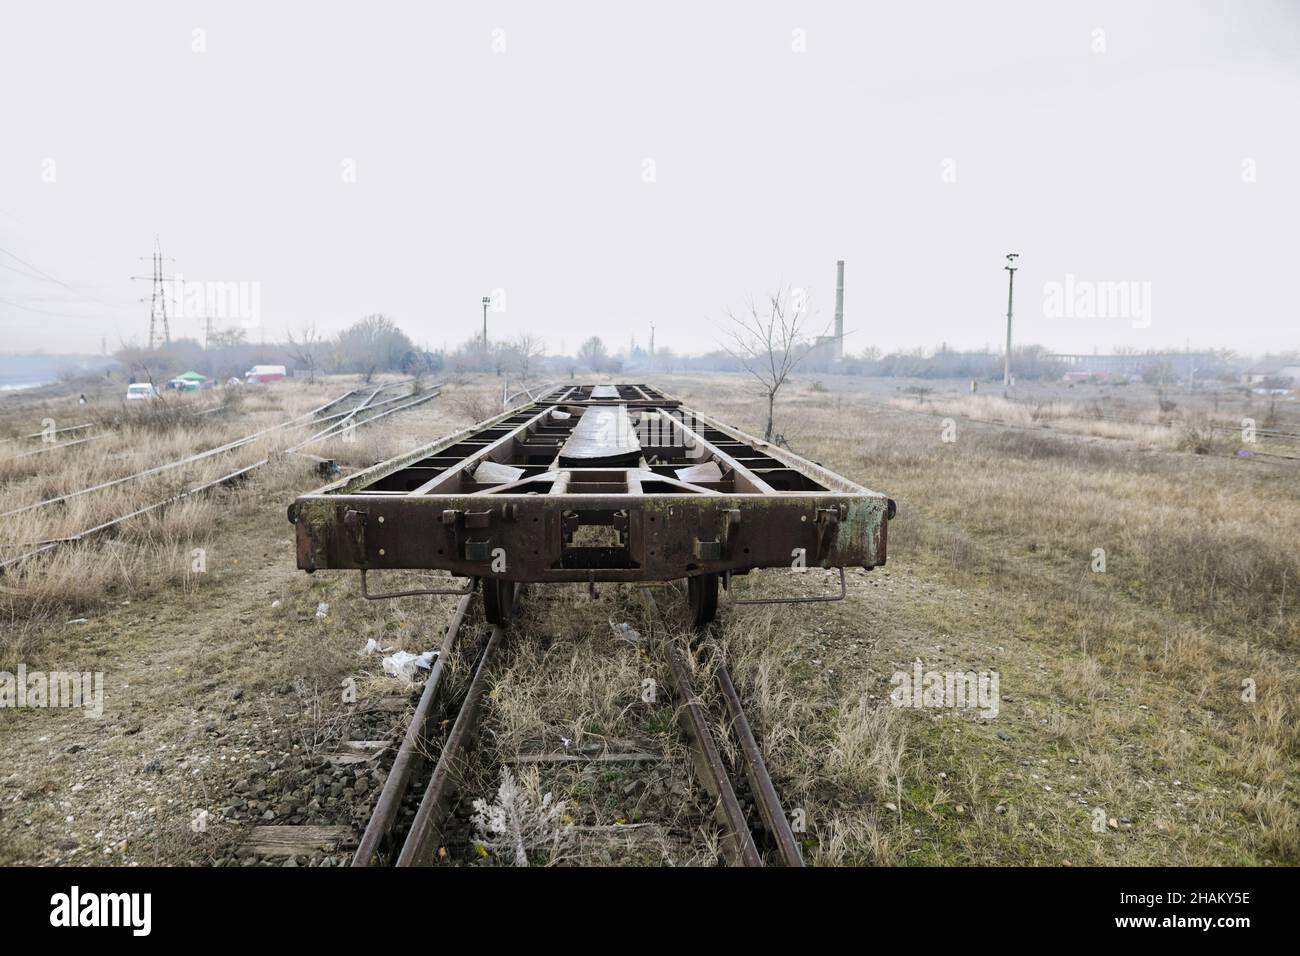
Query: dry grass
{"points": [[1198, 596], [839, 762], [160, 549], [1123, 691], [1072, 417], [572, 684]]}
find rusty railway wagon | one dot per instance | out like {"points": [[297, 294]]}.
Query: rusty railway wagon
{"points": [[594, 483]]}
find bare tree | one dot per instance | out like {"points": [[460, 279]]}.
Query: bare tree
{"points": [[525, 348], [371, 345], [592, 353], [502, 355], [663, 360], [471, 356], [305, 350], [768, 341], [224, 338]]}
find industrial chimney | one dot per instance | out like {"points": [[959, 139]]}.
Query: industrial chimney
{"points": [[839, 310]]}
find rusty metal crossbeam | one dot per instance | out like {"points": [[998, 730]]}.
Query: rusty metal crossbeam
{"points": [[585, 484]]}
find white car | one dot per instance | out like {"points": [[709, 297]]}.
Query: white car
{"points": [[141, 391]]}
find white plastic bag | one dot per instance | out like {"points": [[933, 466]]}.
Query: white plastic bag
{"points": [[406, 665]]}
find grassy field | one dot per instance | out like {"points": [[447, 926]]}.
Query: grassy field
{"points": [[1122, 690], [1156, 696]]}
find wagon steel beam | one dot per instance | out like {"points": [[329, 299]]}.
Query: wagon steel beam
{"points": [[586, 484]]}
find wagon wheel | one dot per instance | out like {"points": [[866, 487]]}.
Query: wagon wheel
{"points": [[498, 600], [702, 593]]}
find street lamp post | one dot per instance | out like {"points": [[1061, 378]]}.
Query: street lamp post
{"points": [[1011, 285]]}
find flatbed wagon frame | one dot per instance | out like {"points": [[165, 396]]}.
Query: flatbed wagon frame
{"points": [[594, 483]]}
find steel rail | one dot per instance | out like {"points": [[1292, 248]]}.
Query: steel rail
{"points": [[422, 842], [370, 407], [541, 390], [760, 781], [411, 755], [56, 431], [737, 838], [66, 444], [159, 469], [431, 393], [45, 546]]}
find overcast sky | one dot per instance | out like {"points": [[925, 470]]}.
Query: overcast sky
{"points": [[608, 165]]}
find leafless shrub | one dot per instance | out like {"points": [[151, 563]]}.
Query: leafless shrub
{"points": [[474, 405], [319, 720], [768, 341], [518, 822]]}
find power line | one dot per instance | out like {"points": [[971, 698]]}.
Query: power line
{"points": [[41, 274], [61, 315], [25, 275]]}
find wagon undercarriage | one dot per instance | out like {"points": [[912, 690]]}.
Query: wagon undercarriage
{"points": [[594, 483]]}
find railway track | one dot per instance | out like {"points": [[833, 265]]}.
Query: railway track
{"points": [[326, 421], [585, 485], [740, 840], [411, 823], [394, 835]]}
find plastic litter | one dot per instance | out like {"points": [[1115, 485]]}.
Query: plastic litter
{"points": [[493, 473], [626, 632], [709, 471], [321, 610], [406, 665]]}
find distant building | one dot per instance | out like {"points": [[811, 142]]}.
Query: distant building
{"points": [[1084, 367], [1266, 371]]}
